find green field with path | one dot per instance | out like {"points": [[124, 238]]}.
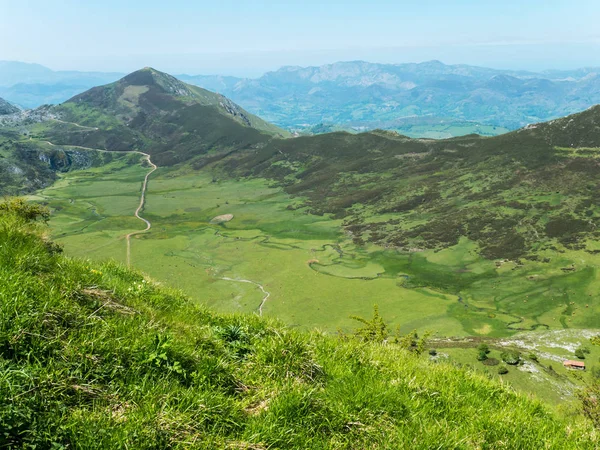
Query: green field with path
{"points": [[315, 276]]}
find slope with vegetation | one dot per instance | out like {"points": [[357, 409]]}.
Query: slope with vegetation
{"points": [[146, 111], [96, 355]]}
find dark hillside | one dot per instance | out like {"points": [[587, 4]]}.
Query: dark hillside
{"points": [[7, 108], [430, 193]]}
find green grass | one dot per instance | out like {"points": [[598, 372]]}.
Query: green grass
{"points": [[449, 130], [97, 356]]}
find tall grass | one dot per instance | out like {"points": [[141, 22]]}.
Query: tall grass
{"points": [[97, 356]]}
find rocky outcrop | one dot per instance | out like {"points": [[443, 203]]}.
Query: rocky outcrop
{"points": [[7, 108]]}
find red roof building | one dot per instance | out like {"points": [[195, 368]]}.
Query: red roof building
{"points": [[579, 365]]}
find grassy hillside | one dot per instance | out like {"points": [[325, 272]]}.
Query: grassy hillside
{"points": [[145, 111], [154, 112], [512, 194], [97, 356]]}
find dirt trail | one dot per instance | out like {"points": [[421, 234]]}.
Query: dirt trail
{"points": [[260, 286], [140, 207], [144, 187], [77, 125]]}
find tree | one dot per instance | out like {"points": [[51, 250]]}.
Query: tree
{"points": [[374, 330], [581, 352]]}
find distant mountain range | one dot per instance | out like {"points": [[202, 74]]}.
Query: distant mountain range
{"points": [[33, 85], [360, 94], [429, 99]]}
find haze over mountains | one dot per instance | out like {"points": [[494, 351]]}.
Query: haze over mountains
{"points": [[411, 98]]}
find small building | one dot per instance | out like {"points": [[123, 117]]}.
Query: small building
{"points": [[569, 364]]}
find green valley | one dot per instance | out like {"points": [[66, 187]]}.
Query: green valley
{"points": [[490, 239]]}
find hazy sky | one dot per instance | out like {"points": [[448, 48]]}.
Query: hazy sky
{"points": [[244, 37]]}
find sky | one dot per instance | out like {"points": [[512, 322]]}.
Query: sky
{"points": [[247, 38]]}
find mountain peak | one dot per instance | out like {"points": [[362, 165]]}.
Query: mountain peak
{"points": [[149, 76]]}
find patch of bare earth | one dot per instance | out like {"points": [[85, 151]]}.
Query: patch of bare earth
{"points": [[222, 218]]}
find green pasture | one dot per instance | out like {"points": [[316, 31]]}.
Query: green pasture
{"points": [[314, 274]]}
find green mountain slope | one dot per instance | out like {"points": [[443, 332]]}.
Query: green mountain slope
{"points": [[97, 356], [154, 112], [531, 189]]}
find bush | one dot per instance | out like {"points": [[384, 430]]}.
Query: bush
{"points": [[374, 330], [483, 348], [580, 353], [30, 212], [532, 356], [502, 370], [482, 356], [511, 357], [432, 351]]}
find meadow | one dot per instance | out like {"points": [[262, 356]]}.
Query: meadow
{"points": [[315, 275]]}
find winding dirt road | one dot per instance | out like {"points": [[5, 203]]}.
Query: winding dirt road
{"points": [[140, 207], [144, 187]]}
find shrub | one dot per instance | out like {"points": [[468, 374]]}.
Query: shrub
{"points": [[374, 330], [30, 212], [432, 351], [502, 370], [589, 403], [580, 353], [532, 356], [483, 348], [482, 356], [511, 357]]}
